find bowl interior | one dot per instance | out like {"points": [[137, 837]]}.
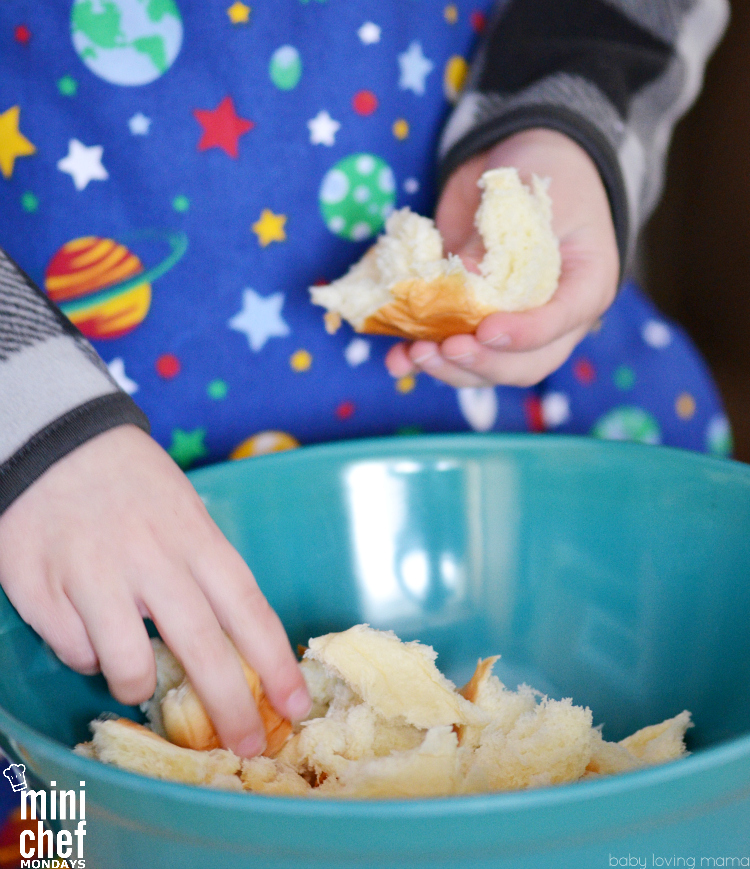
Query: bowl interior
{"points": [[615, 574]]}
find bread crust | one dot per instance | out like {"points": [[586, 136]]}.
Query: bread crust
{"points": [[134, 747], [187, 724], [428, 310]]}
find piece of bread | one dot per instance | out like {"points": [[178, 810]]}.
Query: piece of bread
{"points": [[386, 723], [169, 674], [549, 744], [134, 747], [427, 770], [398, 680], [262, 775], [655, 744], [186, 721], [405, 286]]}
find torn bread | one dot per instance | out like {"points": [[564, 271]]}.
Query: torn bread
{"points": [[176, 712], [169, 674], [386, 723], [649, 746], [397, 680], [134, 747], [405, 286]]}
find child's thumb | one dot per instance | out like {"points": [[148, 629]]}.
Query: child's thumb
{"points": [[471, 252]]}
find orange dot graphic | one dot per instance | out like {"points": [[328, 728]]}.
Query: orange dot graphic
{"points": [[401, 128], [406, 384], [685, 406]]}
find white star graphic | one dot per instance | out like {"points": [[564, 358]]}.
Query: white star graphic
{"points": [[83, 164], [260, 318], [117, 372], [139, 124], [369, 33], [415, 68], [323, 129]]}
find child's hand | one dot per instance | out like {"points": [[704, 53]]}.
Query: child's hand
{"points": [[520, 349], [114, 532]]}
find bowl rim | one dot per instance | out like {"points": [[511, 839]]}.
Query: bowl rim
{"points": [[379, 447]]}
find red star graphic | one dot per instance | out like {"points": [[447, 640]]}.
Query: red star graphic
{"points": [[222, 127]]}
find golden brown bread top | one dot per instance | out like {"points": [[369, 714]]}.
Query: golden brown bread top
{"points": [[187, 724], [428, 310]]}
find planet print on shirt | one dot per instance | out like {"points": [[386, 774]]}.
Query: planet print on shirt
{"points": [[126, 42], [102, 286], [264, 442], [357, 195]]}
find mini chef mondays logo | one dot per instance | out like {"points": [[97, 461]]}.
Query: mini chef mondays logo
{"points": [[40, 847]]}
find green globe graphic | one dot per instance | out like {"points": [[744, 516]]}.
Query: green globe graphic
{"points": [[627, 423], [357, 195], [126, 42]]}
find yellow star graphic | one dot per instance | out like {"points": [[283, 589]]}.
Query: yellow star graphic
{"points": [[270, 227], [12, 142], [239, 13]]}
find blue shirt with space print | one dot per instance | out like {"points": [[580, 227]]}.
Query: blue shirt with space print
{"points": [[177, 173]]}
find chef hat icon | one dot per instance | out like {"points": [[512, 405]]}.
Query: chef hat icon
{"points": [[15, 775]]}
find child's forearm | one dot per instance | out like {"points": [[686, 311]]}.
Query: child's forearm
{"points": [[55, 392], [613, 76]]}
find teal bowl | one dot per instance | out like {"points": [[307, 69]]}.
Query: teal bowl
{"points": [[616, 574]]}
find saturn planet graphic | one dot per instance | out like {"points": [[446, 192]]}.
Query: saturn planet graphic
{"points": [[102, 286]]}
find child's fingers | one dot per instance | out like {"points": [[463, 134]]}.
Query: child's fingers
{"points": [[429, 358], [72, 645], [508, 368], [398, 362], [119, 637], [52, 615], [194, 635], [579, 300], [465, 363], [254, 627], [410, 358]]}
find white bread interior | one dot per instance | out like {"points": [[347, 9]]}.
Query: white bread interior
{"points": [[134, 747], [169, 674], [399, 681], [386, 723]]}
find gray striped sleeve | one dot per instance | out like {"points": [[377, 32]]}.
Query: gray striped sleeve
{"points": [[615, 75], [55, 392]]}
